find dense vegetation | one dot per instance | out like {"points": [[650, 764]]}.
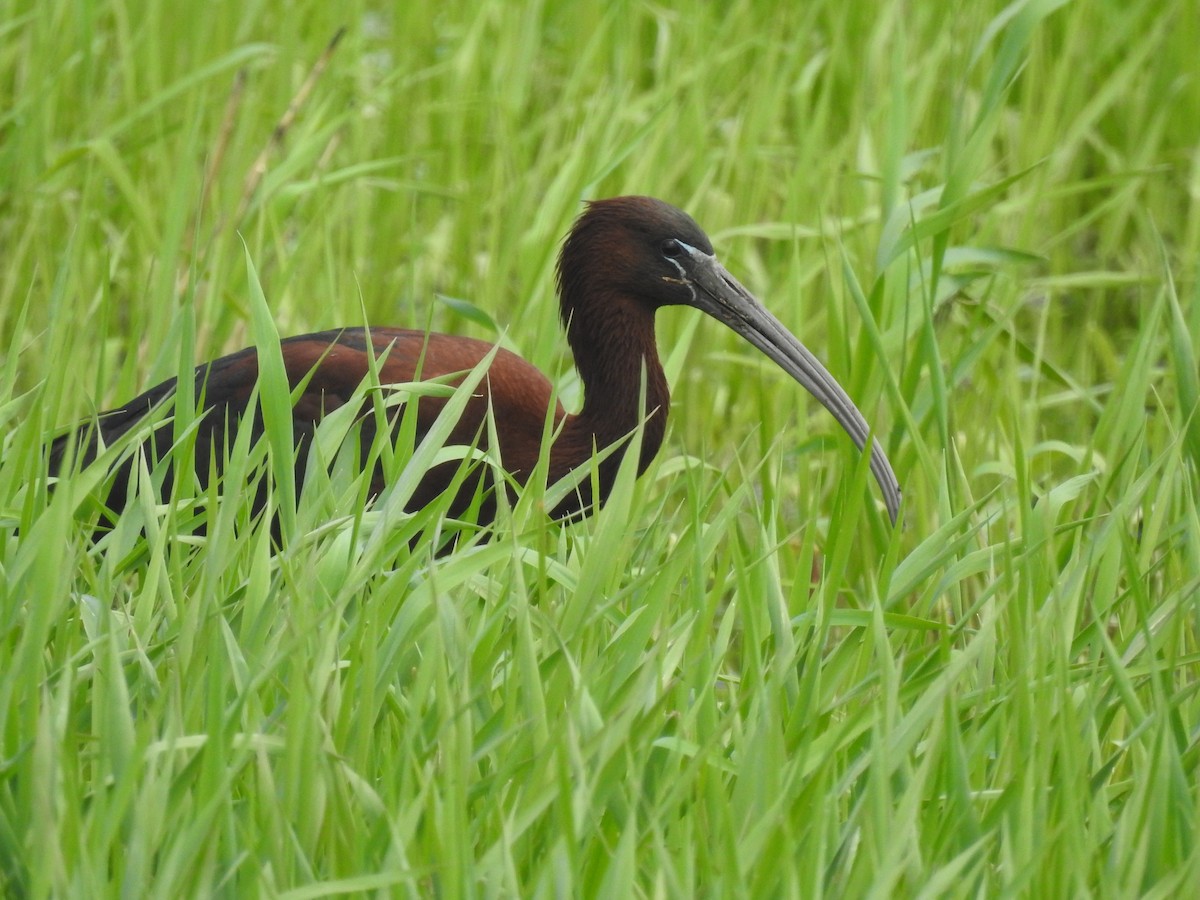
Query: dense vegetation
{"points": [[736, 680]]}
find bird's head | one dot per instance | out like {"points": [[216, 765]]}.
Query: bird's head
{"points": [[628, 256]]}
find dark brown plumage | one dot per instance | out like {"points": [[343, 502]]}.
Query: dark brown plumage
{"points": [[623, 259]]}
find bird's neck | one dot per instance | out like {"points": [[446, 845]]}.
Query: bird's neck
{"points": [[623, 386]]}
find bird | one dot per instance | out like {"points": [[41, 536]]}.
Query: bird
{"points": [[623, 260]]}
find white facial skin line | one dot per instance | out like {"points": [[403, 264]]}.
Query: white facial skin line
{"points": [[683, 277]]}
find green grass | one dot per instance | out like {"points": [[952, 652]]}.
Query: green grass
{"points": [[736, 680]]}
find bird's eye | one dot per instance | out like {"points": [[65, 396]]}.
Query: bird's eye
{"points": [[672, 249]]}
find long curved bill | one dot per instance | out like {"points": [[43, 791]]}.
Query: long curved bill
{"points": [[719, 294]]}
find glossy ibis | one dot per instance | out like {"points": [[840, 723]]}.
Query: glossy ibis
{"points": [[623, 259]]}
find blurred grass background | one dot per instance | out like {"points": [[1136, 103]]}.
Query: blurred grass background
{"points": [[983, 217]]}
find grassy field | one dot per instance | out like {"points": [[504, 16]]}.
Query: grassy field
{"points": [[736, 680]]}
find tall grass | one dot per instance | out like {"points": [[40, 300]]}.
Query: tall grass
{"points": [[736, 680]]}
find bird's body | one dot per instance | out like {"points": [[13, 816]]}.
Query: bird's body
{"points": [[335, 364], [624, 259]]}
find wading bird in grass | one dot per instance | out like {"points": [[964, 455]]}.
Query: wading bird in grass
{"points": [[624, 259]]}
